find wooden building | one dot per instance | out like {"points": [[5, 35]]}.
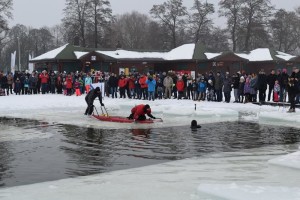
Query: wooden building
{"points": [[186, 58]]}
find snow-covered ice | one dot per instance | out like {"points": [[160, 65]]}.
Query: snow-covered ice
{"points": [[261, 173]]}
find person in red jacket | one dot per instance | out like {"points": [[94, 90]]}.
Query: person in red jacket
{"points": [[144, 86], [44, 77], [122, 86], [69, 84], [139, 112], [180, 87]]}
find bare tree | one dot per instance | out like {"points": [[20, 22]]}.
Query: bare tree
{"points": [[231, 9], [5, 15], [76, 17], [99, 17], [285, 27], [199, 20], [255, 13], [172, 15], [132, 30]]}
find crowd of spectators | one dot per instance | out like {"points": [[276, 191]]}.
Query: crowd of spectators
{"points": [[164, 85]]}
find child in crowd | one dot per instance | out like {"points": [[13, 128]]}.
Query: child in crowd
{"points": [[276, 91], [247, 90], [77, 87], [241, 89], [194, 90], [211, 91], [18, 87], [202, 90]]}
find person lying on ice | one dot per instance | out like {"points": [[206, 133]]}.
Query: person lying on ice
{"points": [[90, 97], [139, 112]]}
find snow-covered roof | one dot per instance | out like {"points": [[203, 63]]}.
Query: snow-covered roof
{"points": [[261, 54], [51, 54], [79, 54], [212, 55], [124, 54], [184, 52], [284, 56]]}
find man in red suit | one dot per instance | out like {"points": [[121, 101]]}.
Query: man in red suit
{"points": [[139, 112]]}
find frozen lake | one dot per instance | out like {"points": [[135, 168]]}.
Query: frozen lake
{"points": [[34, 151], [49, 150]]}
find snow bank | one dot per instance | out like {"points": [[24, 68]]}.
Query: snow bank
{"points": [[70, 109], [239, 175], [291, 160], [248, 192]]}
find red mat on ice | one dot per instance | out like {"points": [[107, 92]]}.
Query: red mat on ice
{"points": [[124, 119]]}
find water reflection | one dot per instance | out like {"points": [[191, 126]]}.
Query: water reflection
{"points": [[76, 151]]}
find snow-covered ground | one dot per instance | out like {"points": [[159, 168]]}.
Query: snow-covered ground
{"points": [[266, 173]]}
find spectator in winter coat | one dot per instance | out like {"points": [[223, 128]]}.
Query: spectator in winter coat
{"points": [[194, 90], [159, 88], [297, 72], [253, 85], [44, 77], [210, 91], [113, 85], [122, 86], [151, 83], [17, 87], [52, 83], [10, 81], [144, 86], [131, 86], [262, 85], [90, 97], [180, 87], [293, 90], [26, 85], [87, 82], [247, 90], [202, 90], [219, 86], [272, 77], [168, 84], [235, 86], [33, 83], [283, 82], [227, 87], [69, 84], [276, 91], [3, 83], [241, 89], [139, 112]]}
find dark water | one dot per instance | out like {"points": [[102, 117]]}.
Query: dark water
{"points": [[75, 151]]}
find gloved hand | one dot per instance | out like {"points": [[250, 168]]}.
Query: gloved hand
{"points": [[102, 104]]}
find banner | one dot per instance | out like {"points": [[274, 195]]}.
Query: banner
{"points": [[13, 62], [30, 65]]}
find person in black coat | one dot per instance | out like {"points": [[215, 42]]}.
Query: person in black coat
{"points": [[272, 77], [113, 85], [90, 97], [262, 85], [293, 90], [283, 77]]}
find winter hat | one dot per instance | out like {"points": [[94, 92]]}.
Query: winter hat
{"points": [[146, 108], [97, 89]]}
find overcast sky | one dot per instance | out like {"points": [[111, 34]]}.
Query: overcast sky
{"points": [[38, 13]]}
